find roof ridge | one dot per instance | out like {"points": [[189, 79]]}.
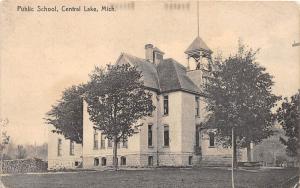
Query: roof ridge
{"points": [[127, 54]]}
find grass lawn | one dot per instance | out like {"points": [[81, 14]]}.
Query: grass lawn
{"points": [[158, 178]]}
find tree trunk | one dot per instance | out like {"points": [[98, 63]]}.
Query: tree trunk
{"points": [[233, 156], [249, 152], [234, 148], [115, 152]]}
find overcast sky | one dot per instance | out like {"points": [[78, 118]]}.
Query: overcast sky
{"points": [[43, 53]]}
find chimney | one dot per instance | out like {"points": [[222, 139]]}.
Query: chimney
{"points": [[158, 56], [149, 52]]}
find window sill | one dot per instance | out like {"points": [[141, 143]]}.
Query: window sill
{"points": [[165, 115], [151, 147], [166, 146], [211, 146]]}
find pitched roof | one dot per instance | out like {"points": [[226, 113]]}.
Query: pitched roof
{"points": [[197, 45], [167, 76], [148, 69], [172, 76]]}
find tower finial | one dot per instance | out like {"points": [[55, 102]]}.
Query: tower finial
{"points": [[198, 16]]}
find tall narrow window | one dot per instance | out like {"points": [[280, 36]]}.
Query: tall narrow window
{"points": [[150, 160], [103, 161], [150, 135], [95, 139], [211, 139], [59, 143], [197, 132], [125, 143], [166, 105], [109, 143], [96, 161], [166, 136], [102, 141], [197, 109], [123, 160], [190, 160], [71, 147]]}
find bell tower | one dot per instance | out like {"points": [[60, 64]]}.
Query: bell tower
{"points": [[198, 51]]}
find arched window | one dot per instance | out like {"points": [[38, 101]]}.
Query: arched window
{"points": [[211, 139], [96, 161], [150, 160], [103, 161], [123, 160]]}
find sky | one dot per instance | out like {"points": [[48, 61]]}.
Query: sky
{"points": [[44, 53]]}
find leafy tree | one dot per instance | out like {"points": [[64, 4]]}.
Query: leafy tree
{"points": [[117, 99], [67, 115], [239, 99], [4, 139], [21, 152], [288, 115]]}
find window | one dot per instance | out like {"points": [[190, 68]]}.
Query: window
{"points": [[95, 139], [197, 132], [102, 141], [76, 163], [125, 143], [123, 160], [197, 110], [166, 136], [150, 135], [166, 105], [211, 139], [150, 160], [103, 161], [109, 143], [59, 143], [71, 147], [190, 160], [96, 161], [135, 129]]}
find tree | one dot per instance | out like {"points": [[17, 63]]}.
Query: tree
{"points": [[3, 134], [239, 100], [21, 152], [117, 99], [67, 115], [288, 115]]}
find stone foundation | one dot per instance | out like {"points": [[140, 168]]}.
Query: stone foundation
{"points": [[66, 163], [140, 160], [132, 160], [175, 159]]}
